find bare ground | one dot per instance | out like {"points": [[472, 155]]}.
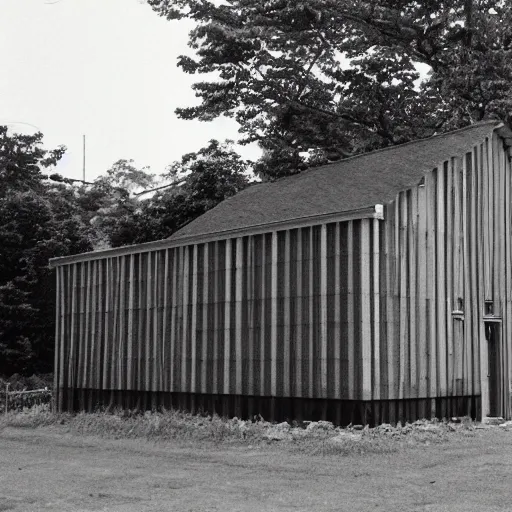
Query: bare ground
{"points": [[48, 469]]}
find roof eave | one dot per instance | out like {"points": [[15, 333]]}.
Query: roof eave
{"points": [[372, 212], [504, 131]]}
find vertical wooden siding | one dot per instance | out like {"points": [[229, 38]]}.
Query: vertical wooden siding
{"points": [[353, 310], [279, 314], [447, 249]]}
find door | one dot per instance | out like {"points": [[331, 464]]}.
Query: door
{"points": [[492, 331]]}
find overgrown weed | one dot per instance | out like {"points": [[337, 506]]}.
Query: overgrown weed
{"points": [[312, 438]]}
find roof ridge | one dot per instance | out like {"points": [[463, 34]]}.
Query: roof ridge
{"points": [[390, 148]]}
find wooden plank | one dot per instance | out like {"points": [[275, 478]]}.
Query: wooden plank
{"points": [[120, 313], [501, 274], [129, 339], [123, 306], [193, 330], [396, 362], [176, 278], [165, 323], [350, 313], [103, 296], [458, 269], [507, 276], [457, 236], [376, 394], [263, 353], [473, 295], [180, 300], [422, 291], [81, 327], [402, 255], [138, 349], [337, 312], [413, 293], [299, 319], [508, 271], [159, 327], [65, 314], [66, 380], [227, 318], [158, 362], [468, 333], [311, 324], [86, 344], [449, 276], [441, 269], [214, 336], [130, 320], [366, 316], [390, 279], [499, 263], [273, 327], [148, 360], [184, 342], [115, 353], [488, 190], [58, 341], [108, 323], [507, 310], [430, 185], [480, 333], [323, 311], [96, 353], [287, 316], [72, 373], [251, 311], [496, 225], [508, 231], [239, 304], [92, 380], [206, 325]]}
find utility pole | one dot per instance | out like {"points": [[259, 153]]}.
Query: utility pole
{"points": [[83, 167]]}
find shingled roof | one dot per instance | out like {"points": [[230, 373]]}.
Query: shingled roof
{"points": [[358, 182]]}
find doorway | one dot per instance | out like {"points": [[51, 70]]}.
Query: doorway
{"points": [[492, 335]]}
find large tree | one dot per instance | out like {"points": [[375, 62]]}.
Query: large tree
{"points": [[38, 220], [334, 77]]}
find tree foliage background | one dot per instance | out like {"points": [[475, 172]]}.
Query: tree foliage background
{"points": [[44, 215], [310, 81], [335, 77], [38, 220]]}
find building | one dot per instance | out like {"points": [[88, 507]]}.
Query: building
{"points": [[377, 288]]}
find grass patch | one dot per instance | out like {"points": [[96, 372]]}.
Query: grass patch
{"points": [[313, 438]]}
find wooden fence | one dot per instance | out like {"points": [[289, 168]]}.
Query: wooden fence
{"points": [[19, 400]]}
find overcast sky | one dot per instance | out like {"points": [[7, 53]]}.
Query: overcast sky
{"points": [[103, 68]]}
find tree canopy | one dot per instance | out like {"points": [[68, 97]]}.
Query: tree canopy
{"points": [[196, 183], [39, 219], [334, 77]]}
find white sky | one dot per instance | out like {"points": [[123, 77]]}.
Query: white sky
{"points": [[106, 69]]}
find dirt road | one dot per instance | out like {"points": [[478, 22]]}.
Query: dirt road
{"points": [[49, 470]]}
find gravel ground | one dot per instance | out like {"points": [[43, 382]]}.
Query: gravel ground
{"points": [[51, 469]]}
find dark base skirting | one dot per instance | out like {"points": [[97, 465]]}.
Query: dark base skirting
{"points": [[339, 412]]}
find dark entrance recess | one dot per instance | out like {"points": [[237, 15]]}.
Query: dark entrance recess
{"points": [[492, 332]]}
